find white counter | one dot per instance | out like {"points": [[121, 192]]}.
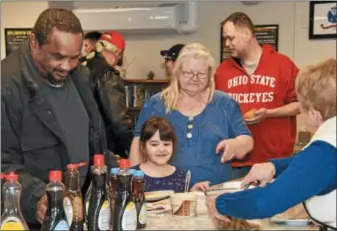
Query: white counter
{"points": [[202, 222]]}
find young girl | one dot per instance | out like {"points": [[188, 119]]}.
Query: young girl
{"points": [[157, 145]]}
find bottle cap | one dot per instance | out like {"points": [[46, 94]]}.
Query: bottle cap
{"points": [[114, 171], [12, 176], [124, 163], [139, 173], [55, 175], [131, 171], [73, 167], [99, 160]]}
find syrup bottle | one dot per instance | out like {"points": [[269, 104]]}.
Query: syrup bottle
{"points": [[113, 183], [99, 213], [2, 177], [12, 218], [72, 201], [87, 198], [138, 187], [125, 213], [55, 218]]}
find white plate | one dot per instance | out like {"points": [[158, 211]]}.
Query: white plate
{"points": [[158, 195], [291, 222], [234, 185]]}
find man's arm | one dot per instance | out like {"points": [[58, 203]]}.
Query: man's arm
{"points": [[12, 160], [288, 110]]}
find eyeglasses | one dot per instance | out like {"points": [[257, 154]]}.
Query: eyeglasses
{"points": [[199, 75]]}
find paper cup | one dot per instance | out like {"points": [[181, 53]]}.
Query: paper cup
{"points": [[201, 203], [184, 204]]}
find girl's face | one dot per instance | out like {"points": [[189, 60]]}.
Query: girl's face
{"points": [[157, 151]]}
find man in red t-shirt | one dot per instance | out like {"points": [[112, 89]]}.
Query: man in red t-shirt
{"points": [[262, 80]]}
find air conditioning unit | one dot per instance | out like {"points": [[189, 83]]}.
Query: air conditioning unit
{"points": [[181, 18]]}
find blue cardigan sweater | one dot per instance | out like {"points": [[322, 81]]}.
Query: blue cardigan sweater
{"points": [[311, 172]]}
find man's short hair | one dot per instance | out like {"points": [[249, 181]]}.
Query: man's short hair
{"points": [[240, 19], [93, 36], [61, 19]]}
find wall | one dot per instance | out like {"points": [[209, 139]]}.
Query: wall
{"points": [[291, 16], [144, 49], [18, 14]]}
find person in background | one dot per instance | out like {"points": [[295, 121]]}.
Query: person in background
{"points": [[310, 176], [109, 92], [208, 123], [262, 81], [49, 117], [157, 145], [90, 40], [171, 56]]}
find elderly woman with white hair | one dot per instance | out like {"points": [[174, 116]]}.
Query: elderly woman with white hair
{"points": [[208, 123]]}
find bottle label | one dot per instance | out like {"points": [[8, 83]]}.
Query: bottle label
{"points": [[104, 216], [77, 209], [12, 223], [62, 225], [129, 220], [68, 209], [142, 214]]}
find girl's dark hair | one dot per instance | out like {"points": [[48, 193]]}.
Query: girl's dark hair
{"points": [[154, 124]]}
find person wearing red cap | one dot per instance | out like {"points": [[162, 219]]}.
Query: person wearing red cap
{"points": [[107, 84]]}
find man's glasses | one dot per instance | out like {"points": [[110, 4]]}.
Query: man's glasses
{"points": [[199, 75]]}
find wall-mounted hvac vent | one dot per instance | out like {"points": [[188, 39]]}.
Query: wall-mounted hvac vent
{"points": [[181, 18]]}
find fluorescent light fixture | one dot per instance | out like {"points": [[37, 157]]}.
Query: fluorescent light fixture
{"points": [[109, 10]]}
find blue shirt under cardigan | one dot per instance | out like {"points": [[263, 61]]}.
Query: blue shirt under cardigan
{"points": [[221, 119], [311, 172]]}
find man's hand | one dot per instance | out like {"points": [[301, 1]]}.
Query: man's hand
{"points": [[217, 218], [260, 115], [41, 208], [262, 172], [201, 186], [228, 147]]}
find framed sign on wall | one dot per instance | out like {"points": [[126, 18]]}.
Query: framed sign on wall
{"points": [[265, 34], [323, 20], [14, 37]]}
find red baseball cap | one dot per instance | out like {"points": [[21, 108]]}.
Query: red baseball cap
{"points": [[114, 38]]}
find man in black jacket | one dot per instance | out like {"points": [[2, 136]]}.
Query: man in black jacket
{"points": [[108, 86], [49, 117]]}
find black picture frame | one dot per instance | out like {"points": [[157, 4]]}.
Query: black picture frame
{"points": [[318, 25], [14, 37], [269, 35]]}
